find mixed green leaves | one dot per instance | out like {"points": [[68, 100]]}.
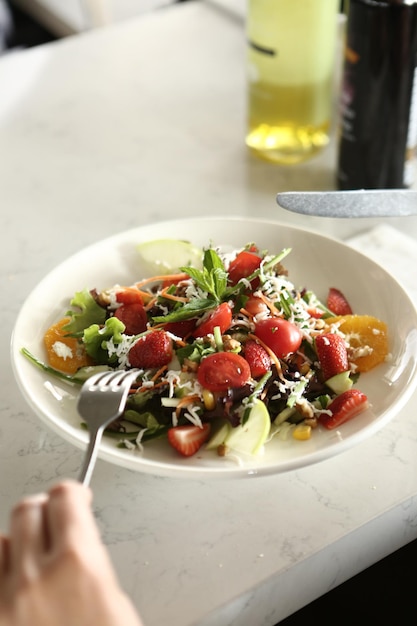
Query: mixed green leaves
{"points": [[212, 281]]}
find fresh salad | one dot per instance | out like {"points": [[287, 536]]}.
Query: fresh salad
{"points": [[229, 352]]}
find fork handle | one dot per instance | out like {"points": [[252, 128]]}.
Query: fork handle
{"points": [[90, 456]]}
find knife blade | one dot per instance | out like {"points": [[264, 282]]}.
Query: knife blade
{"points": [[356, 203]]}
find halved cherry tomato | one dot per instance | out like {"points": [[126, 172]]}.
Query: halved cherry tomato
{"points": [[133, 317], [282, 336], [222, 317], [222, 371], [243, 266]]}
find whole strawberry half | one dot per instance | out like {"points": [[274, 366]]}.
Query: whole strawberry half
{"points": [[337, 302], [349, 404], [332, 354], [257, 357], [187, 440], [151, 351]]}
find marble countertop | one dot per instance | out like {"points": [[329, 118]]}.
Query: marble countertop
{"points": [[138, 123]]}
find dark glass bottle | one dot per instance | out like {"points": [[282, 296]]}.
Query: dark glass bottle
{"points": [[378, 129]]}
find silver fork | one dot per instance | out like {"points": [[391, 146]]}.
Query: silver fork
{"points": [[102, 399]]}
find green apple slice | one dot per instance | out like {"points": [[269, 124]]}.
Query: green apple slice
{"points": [[166, 256], [219, 437], [251, 436], [340, 382]]}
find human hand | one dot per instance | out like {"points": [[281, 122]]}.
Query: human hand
{"points": [[54, 569]]}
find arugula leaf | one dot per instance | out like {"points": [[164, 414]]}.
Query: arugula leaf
{"points": [[78, 378], [89, 313], [187, 311]]}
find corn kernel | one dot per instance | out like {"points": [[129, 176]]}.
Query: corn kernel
{"points": [[209, 400], [302, 432]]}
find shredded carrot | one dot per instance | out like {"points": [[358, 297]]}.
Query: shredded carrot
{"points": [[169, 296], [162, 277], [145, 295], [246, 313], [150, 304], [184, 401], [271, 306], [159, 373], [163, 383], [271, 353]]}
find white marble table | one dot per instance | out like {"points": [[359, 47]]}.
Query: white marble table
{"points": [[138, 123]]}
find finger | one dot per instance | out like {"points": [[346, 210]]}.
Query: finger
{"points": [[27, 536], [69, 516], [4, 556]]}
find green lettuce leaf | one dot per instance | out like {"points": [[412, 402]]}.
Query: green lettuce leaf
{"points": [[88, 312], [96, 338]]}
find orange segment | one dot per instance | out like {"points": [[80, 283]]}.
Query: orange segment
{"points": [[367, 337], [66, 354]]}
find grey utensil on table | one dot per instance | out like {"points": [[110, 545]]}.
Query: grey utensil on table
{"points": [[357, 203], [102, 399]]}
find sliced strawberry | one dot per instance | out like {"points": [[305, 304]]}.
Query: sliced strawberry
{"points": [[129, 295], [244, 265], [349, 404], [187, 440], [337, 302], [181, 329], [151, 351], [257, 357], [315, 312], [133, 317], [332, 354]]}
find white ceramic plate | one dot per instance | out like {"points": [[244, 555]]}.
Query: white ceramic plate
{"points": [[316, 262]]}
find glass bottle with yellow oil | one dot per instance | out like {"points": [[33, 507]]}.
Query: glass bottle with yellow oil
{"points": [[291, 59]]}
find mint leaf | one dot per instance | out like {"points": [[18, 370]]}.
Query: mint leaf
{"points": [[212, 278]]}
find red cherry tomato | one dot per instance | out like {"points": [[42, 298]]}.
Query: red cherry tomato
{"points": [[222, 371], [222, 317], [282, 336], [133, 317], [243, 266]]}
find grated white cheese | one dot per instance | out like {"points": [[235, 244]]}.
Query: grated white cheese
{"points": [[62, 350], [192, 415], [121, 350], [112, 297]]}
